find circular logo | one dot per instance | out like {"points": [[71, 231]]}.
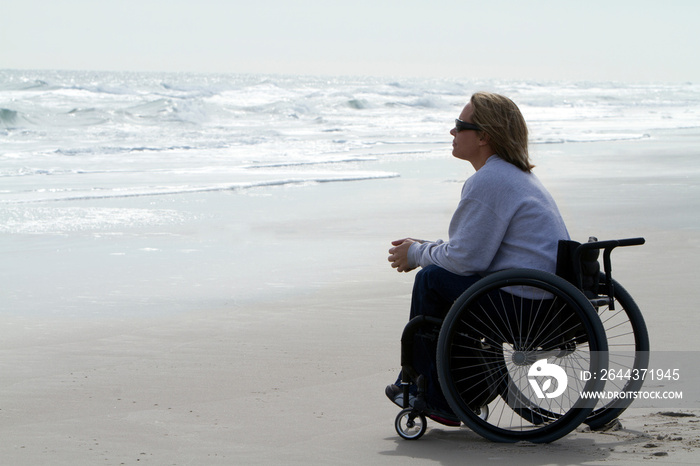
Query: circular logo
{"points": [[541, 375]]}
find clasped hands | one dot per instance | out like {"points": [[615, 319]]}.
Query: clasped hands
{"points": [[398, 255]]}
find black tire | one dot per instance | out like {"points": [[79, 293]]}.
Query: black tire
{"points": [[501, 329], [628, 346]]}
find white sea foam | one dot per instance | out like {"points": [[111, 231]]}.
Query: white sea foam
{"points": [[80, 135], [66, 220]]}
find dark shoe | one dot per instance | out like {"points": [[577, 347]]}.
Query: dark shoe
{"points": [[395, 394]]}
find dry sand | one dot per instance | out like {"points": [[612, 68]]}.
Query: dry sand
{"points": [[297, 377]]}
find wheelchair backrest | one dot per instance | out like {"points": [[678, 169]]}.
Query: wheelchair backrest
{"points": [[579, 267]]}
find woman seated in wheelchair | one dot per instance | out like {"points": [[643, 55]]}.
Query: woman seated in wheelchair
{"points": [[505, 219]]}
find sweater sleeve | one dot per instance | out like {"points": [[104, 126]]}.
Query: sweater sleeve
{"points": [[476, 232]]}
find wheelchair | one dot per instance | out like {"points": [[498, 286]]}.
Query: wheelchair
{"points": [[521, 354]]}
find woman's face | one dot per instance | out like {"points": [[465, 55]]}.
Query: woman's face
{"points": [[466, 142]]}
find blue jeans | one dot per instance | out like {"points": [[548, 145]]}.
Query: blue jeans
{"points": [[434, 291]]}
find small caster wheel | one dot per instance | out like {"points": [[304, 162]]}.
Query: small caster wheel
{"points": [[409, 425]]}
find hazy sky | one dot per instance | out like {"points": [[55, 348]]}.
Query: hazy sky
{"points": [[623, 40]]}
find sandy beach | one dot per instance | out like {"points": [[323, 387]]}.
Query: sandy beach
{"points": [[263, 328]]}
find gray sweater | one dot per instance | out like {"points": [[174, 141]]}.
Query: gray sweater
{"points": [[505, 219]]}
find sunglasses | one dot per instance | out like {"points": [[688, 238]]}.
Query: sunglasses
{"points": [[463, 125]]}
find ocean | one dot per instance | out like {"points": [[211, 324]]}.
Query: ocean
{"points": [[77, 147], [84, 135]]}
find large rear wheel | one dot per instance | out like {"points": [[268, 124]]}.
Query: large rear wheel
{"points": [[518, 343]]}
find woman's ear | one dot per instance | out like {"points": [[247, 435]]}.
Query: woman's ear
{"points": [[483, 138]]}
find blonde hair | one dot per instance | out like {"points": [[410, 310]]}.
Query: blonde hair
{"points": [[501, 120]]}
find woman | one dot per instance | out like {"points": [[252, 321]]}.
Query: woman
{"points": [[505, 219]]}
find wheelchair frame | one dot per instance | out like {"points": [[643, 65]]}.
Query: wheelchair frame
{"points": [[515, 321]]}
